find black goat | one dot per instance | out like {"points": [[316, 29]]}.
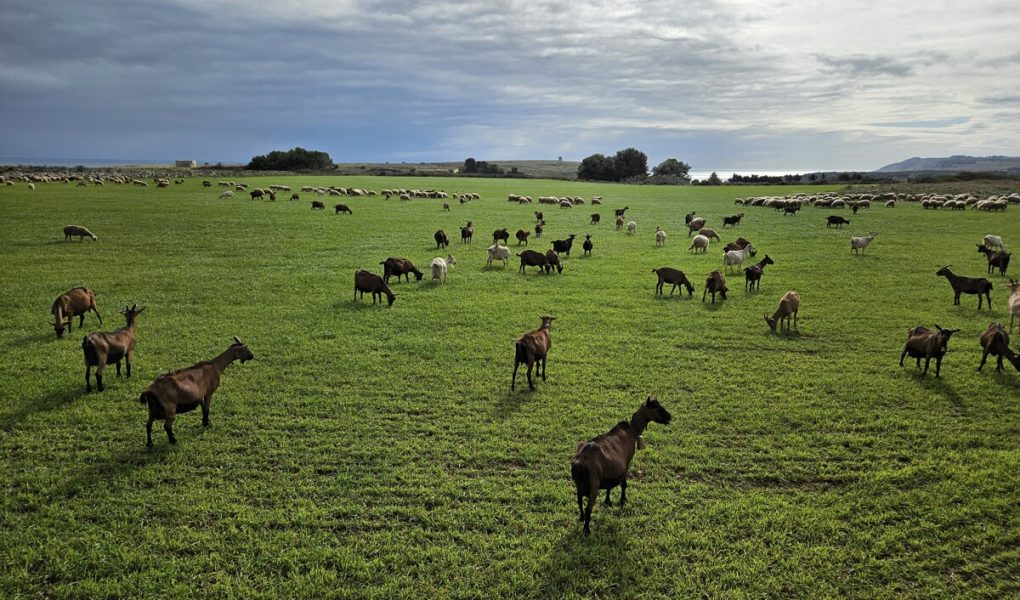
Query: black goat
{"points": [[563, 246], [967, 285], [996, 260]]}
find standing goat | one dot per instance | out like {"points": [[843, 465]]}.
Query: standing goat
{"points": [[587, 245], [715, 283], [967, 285], [859, 243], [733, 258], [185, 390], [752, 274], [533, 347], [789, 304], [103, 348], [995, 341], [996, 259], [1014, 302], [73, 303], [927, 344], [602, 462], [660, 237]]}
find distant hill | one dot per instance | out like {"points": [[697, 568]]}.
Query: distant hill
{"points": [[955, 164], [540, 169]]}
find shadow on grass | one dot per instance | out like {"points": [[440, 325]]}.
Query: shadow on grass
{"points": [[108, 469], [32, 339], [29, 406], [718, 304], [597, 565], [940, 386]]}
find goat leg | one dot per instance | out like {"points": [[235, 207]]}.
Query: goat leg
{"points": [[623, 491], [531, 365], [205, 410], [148, 432], [88, 383]]}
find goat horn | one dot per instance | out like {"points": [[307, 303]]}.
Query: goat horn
{"points": [[238, 341]]}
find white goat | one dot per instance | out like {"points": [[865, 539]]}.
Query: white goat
{"points": [[699, 241], [497, 252], [226, 194], [733, 258], [993, 242], [439, 269], [860, 243], [1014, 303], [450, 260], [660, 236], [631, 227]]}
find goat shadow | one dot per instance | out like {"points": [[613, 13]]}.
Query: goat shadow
{"points": [[54, 400], [130, 458], [940, 386], [709, 305], [33, 339], [604, 556]]}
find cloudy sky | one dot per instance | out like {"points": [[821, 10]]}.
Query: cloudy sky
{"points": [[721, 84]]}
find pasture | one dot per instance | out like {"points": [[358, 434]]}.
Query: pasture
{"points": [[377, 452]]}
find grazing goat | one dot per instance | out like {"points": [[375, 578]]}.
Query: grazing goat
{"points": [[621, 211], [995, 341], [533, 347], [73, 303], [967, 285], [531, 258], [1014, 302], [740, 244], [660, 237], [102, 348], [993, 242], [689, 217], [500, 234], [715, 282], [441, 240], [859, 243], [752, 274], [709, 233], [399, 267], [295, 196], [439, 269], [317, 205], [552, 261], [619, 223], [631, 227], [365, 281], [497, 252], [587, 245], [77, 230], [227, 194], [996, 260], [699, 242], [836, 220], [927, 344], [564, 245], [696, 224], [342, 208], [732, 220], [186, 389], [256, 194], [467, 233], [522, 237], [734, 258], [602, 463], [791, 210], [674, 277], [595, 218], [789, 304]]}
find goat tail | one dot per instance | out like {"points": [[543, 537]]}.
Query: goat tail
{"points": [[521, 355], [90, 351], [146, 397]]}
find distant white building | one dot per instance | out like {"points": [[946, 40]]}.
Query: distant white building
{"points": [[186, 164]]}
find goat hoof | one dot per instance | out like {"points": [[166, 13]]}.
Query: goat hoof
{"points": [[148, 444]]}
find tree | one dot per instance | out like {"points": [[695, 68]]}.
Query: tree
{"points": [[630, 162], [470, 165], [295, 159], [672, 167], [597, 167], [713, 179]]}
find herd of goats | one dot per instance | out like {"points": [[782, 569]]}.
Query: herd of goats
{"points": [[603, 462]]}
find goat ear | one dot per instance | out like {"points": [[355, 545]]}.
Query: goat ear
{"points": [[938, 327]]}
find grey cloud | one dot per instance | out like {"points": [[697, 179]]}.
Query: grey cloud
{"points": [[860, 65]]}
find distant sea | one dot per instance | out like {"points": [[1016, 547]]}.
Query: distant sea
{"points": [[725, 174]]}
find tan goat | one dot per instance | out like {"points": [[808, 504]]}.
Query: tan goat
{"points": [[789, 304], [533, 347], [103, 348]]}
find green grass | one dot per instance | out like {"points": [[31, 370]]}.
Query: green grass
{"points": [[377, 452]]}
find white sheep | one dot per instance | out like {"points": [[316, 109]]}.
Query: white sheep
{"points": [[860, 243], [699, 241], [439, 269], [993, 241], [497, 252], [733, 258], [631, 227], [227, 194], [660, 236]]}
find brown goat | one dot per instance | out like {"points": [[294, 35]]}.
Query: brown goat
{"points": [[73, 303], [101, 348], [995, 341], [927, 344], [531, 258], [342, 208], [77, 230], [399, 267], [185, 390], [619, 223], [522, 236], [789, 304], [602, 463], [533, 347], [441, 240], [365, 281], [674, 277], [740, 244], [467, 233], [552, 261], [715, 283], [500, 234], [316, 204]]}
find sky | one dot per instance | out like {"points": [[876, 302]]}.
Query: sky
{"points": [[726, 84]]}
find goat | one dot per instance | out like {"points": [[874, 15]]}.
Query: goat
{"points": [[256, 194], [533, 347], [619, 223], [441, 240], [996, 260], [619, 212], [995, 341], [342, 208], [522, 237], [715, 282], [735, 257], [602, 462], [552, 261], [466, 233], [709, 233], [595, 218], [789, 304], [699, 241], [674, 277], [399, 267], [538, 229], [77, 230], [365, 281], [1014, 302], [587, 245], [73, 303], [791, 210], [927, 344], [101, 348], [500, 234], [967, 285], [539, 217], [752, 274], [732, 220], [184, 390], [836, 220], [317, 205], [689, 217], [660, 237], [564, 245], [696, 224], [993, 242], [439, 269], [859, 243], [531, 258], [631, 227], [739, 244], [295, 196], [446, 206], [497, 252]]}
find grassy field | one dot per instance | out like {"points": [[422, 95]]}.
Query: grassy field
{"points": [[376, 452]]}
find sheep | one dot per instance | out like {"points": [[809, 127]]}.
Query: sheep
{"points": [[631, 227], [531, 258], [660, 237], [531, 348], [441, 240], [1014, 302], [619, 223], [184, 390], [227, 194], [927, 344], [890, 204], [993, 242], [995, 341], [522, 237], [674, 277], [587, 244], [365, 281], [467, 233], [602, 462], [439, 269], [696, 224], [996, 260], [699, 241], [101, 349], [399, 267], [206, 184], [500, 234], [596, 199], [256, 194], [77, 230], [342, 208], [967, 285], [791, 210], [73, 303], [566, 204], [734, 258], [836, 220], [552, 261], [497, 252], [733, 220], [31, 186], [709, 233], [564, 245], [752, 274], [295, 196], [446, 206], [859, 243], [619, 212], [715, 282], [789, 304], [316, 205]]}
